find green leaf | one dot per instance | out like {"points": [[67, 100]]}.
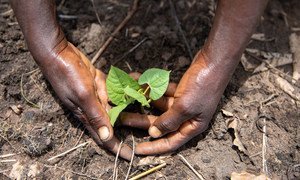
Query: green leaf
{"points": [[137, 96], [117, 80], [115, 111], [157, 79]]}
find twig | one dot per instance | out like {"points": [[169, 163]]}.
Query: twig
{"points": [[148, 171], [68, 151], [67, 17], [95, 10], [264, 149], [22, 90], [191, 167], [7, 155], [7, 13], [116, 31], [61, 4], [130, 51], [173, 11], [132, 156], [79, 137], [116, 161], [8, 142], [289, 78], [128, 65], [66, 170], [8, 160]]}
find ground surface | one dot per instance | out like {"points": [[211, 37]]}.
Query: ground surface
{"points": [[40, 133]]}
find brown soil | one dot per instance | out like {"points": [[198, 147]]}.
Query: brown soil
{"points": [[40, 133]]}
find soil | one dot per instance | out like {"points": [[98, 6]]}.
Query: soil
{"points": [[36, 134]]}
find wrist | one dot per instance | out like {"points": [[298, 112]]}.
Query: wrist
{"points": [[221, 63], [45, 49]]}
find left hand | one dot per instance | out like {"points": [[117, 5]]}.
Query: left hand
{"points": [[188, 110]]}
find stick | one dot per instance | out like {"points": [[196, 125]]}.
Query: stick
{"points": [[116, 161], [6, 155], [264, 149], [191, 167], [132, 156], [116, 31], [148, 171], [68, 151], [173, 11], [95, 10], [131, 50], [8, 160], [79, 137]]}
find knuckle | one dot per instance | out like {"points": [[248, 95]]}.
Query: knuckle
{"points": [[184, 108], [170, 146], [95, 121], [83, 93], [168, 126]]}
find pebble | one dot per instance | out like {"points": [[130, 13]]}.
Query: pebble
{"points": [[166, 56], [206, 159], [182, 62], [139, 55]]}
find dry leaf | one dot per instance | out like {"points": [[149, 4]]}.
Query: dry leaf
{"points": [[273, 58], [17, 109], [248, 66], [227, 113], [17, 171], [248, 176], [295, 49], [152, 160], [288, 88], [234, 124], [34, 170]]}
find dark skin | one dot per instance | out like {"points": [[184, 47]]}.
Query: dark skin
{"points": [[188, 107]]}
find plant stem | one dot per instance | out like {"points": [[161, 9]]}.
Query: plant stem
{"points": [[146, 90]]}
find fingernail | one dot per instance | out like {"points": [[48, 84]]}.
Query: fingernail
{"points": [[103, 133], [154, 132]]}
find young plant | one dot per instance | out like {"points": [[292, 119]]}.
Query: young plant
{"points": [[124, 90]]}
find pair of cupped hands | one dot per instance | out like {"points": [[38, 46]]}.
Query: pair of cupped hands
{"points": [[188, 107]]}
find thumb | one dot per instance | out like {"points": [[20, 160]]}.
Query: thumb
{"points": [[168, 122], [97, 117]]}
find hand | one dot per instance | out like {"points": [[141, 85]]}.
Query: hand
{"points": [[81, 87], [188, 112]]}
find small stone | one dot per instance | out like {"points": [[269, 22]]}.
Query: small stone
{"points": [[139, 55], [166, 56], [92, 151], [95, 30], [135, 35], [205, 160], [182, 62]]}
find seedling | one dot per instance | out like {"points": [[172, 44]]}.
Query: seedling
{"points": [[124, 90]]}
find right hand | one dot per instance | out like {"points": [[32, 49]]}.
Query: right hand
{"points": [[81, 87]]}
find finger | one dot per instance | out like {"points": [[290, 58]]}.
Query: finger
{"points": [[164, 103], [168, 122], [97, 116], [100, 79], [137, 120], [135, 75], [112, 145], [173, 141]]}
